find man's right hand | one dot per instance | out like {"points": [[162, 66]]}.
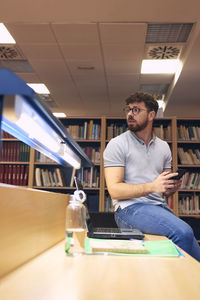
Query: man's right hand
{"points": [[163, 184]]}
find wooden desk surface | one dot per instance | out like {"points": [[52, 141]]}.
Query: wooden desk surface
{"points": [[54, 276]]}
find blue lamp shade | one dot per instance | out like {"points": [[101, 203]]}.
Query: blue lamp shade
{"points": [[24, 115]]}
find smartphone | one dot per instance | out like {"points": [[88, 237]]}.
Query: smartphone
{"points": [[180, 172]]}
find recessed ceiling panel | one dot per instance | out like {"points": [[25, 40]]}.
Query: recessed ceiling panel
{"points": [[31, 33], [123, 33], [80, 51], [52, 70], [41, 51], [76, 33]]}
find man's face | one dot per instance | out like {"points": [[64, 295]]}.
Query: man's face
{"points": [[137, 119]]}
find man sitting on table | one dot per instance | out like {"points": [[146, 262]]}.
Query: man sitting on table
{"points": [[138, 171]]}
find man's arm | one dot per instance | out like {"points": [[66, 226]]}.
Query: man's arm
{"points": [[119, 190]]}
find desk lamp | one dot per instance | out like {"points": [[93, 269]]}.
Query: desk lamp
{"points": [[25, 116]]}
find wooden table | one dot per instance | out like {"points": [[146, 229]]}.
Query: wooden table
{"points": [[54, 276]]}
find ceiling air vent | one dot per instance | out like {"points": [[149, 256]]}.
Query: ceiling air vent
{"points": [[168, 32], [157, 90], [163, 52], [12, 58], [17, 66], [48, 100], [10, 52]]}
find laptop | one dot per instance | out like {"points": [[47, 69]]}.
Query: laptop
{"points": [[102, 225]]}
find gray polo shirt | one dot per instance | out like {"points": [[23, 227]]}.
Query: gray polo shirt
{"points": [[142, 163]]}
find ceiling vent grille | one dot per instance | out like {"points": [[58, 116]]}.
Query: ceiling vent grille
{"points": [[48, 100], [17, 66], [163, 52], [157, 90], [10, 52], [168, 32]]}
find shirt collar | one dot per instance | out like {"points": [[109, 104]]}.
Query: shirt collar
{"points": [[141, 141]]}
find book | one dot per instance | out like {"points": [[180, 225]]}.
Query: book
{"points": [[161, 248], [38, 177], [117, 246]]}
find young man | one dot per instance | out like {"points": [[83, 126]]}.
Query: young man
{"points": [[138, 171]]}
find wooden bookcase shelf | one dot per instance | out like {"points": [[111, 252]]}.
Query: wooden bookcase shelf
{"points": [[93, 134]]}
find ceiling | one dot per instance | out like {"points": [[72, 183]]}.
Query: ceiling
{"points": [[89, 52]]}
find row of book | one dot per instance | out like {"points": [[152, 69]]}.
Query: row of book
{"points": [[14, 174], [89, 177], [189, 156], [170, 202], [40, 157], [113, 130], [160, 131], [6, 135], [164, 133], [49, 177], [188, 133], [191, 180], [108, 207], [93, 153], [87, 131], [189, 205], [15, 151]]}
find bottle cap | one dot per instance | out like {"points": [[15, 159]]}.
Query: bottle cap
{"points": [[78, 196]]}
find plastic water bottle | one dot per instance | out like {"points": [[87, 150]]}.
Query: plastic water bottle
{"points": [[76, 226]]}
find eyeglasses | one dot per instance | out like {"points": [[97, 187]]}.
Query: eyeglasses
{"points": [[135, 110]]}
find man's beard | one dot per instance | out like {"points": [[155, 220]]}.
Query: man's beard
{"points": [[137, 127]]}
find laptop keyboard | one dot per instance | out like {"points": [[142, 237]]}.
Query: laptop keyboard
{"points": [[115, 230], [101, 229]]}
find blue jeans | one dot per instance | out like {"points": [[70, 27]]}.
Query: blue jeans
{"points": [[158, 219]]}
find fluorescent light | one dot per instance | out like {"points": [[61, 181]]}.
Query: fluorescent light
{"points": [[161, 104], [5, 36], [59, 115], [39, 88], [27, 125], [159, 66], [24, 115], [68, 155], [35, 131]]}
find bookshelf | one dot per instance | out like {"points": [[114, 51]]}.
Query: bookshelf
{"points": [[93, 134], [188, 157], [15, 157]]}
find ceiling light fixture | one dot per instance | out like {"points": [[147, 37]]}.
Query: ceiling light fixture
{"points": [[59, 115], [160, 66], [39, 88], [5, 36], [25, 116]]}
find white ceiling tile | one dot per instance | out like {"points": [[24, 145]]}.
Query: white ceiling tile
{"points": [[81, 51], [76, 33], [52, 70], [125, 52], [123, 67], [31, 33], [128, 33], [41, 51], [29, 77]]}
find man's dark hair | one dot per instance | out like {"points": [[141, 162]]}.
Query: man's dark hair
{"points": [[149, 101]]}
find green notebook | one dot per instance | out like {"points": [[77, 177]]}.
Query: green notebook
{"points": [[163, 248]]}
